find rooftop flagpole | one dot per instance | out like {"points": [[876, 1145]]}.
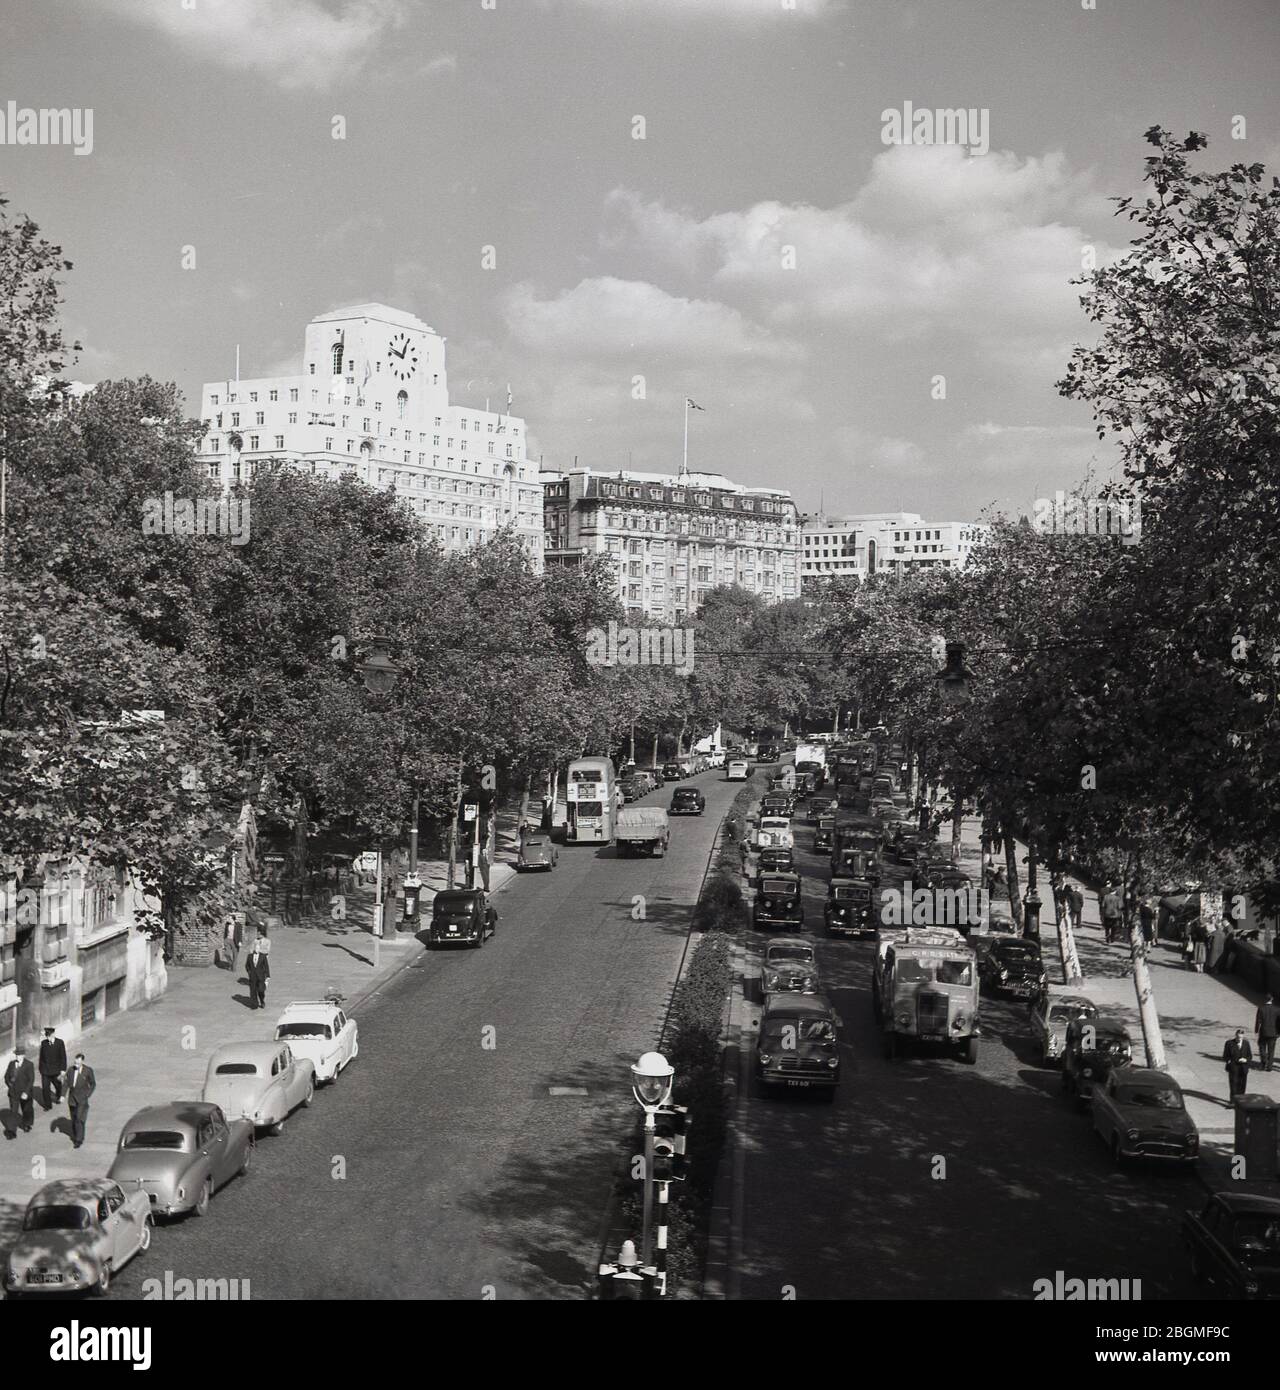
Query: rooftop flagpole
{"points": [[684, 467]]}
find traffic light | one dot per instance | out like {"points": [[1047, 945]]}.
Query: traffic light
{"points": [[671, 1129]]}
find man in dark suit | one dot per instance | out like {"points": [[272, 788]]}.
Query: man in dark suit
{"points": [[20, 1082], [1236, 1056], [53, 1062], [81, 1084], [259, 972]]}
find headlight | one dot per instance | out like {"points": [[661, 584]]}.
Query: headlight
{"points": [[833, 1062], [1004, 975], [1131, 1134], [959, 1021], [1086, 1071], [765, 1059], [181, 1194], [904, 1017], [1250, 1286], [1193, 1141]]}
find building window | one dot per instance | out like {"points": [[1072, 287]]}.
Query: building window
{"points": [[259, 418], [402, 404], [328, 446], [280, 442]]}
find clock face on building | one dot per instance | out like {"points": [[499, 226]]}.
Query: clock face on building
{"points": [[402, 356]]}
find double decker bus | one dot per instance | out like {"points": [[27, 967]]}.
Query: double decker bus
{"points": [[594, 799]]}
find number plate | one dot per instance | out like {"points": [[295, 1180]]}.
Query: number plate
{"points": [[796, 1083], [42, 1277]]}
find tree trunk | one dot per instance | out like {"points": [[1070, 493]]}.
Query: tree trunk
{"points": [[957, 822], [632, 754], [1066, 937], [654, 763], [453, 823], [1150, 1018], [526, 798], [1011, 872]]}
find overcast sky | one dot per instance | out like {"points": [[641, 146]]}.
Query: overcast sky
{"points": [[616, 258]]}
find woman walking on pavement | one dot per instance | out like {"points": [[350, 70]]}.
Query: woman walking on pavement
{"points": [[1198, 938]]}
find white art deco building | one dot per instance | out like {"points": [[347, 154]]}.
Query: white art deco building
{"points": [[372, 399]]}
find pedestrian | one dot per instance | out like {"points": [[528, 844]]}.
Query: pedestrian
{"points": [[262, 942], [231, 942], [1198, 939], [259, 972], [81, 1084], [20, 1082], [1236, 1056], [1077, 906], [53, 1062], [997, 842], [1147, 916], [1112, 913], [1215, 945], [1266, 1025]]}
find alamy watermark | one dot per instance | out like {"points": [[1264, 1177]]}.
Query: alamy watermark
{"points": [[47, 125], [196, 516], [1062, 515], [641, 646], [969, 126], [935, 907], [1062, 1289]]}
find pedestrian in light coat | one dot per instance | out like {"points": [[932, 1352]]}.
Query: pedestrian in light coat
{"points": [[81, 1084], [259, 971], [53, 1062], [1267, 1025], [20, 1082], [231, 942], [1236, 1056]]}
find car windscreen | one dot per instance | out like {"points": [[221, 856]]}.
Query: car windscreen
{"points": [[913, 970], [781, 1031], [455, 902], [303, 1030], [779, 887], [590, 809], [154, 1139], [236, 1069], [1017, 952], [955, 972], [1149, 1097], [777, 953], [850, 894], [1060, 1012], [57, 1218]]}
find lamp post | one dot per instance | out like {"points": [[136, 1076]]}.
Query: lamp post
{"points": [[651, 1079], [380, 674]]}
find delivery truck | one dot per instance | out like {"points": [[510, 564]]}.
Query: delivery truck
{"points": [[642, 830]]}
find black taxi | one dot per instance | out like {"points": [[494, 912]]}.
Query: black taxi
{"points": [[778, 901], [461, 917], [850, 908]]}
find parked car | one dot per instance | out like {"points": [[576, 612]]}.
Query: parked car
{"points": [[1012, 965], [788, 965], [259, 1081], [76, 1234], [1093, 1049], [537, 851], [1048, 1018], [180, 1154], [798, 1045], [687, 801], [778, 900], [1141, 1113], [775, 859], [850, 907], [1234, 1243], [319, 1030], [461, 917], [775, 804], [737, 770], [672, 772]]}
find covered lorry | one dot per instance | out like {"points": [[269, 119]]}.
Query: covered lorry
{"points": [[642, 830]]}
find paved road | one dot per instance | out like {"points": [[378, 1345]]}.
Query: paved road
{"points": [[440, 1166], [842, 1201]]}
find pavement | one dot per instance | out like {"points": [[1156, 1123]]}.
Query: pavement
{"points": [[1197, 1012]]}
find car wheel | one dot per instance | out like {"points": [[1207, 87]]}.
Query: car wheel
{"points": [[144, 1240], [103, 1286], [969, 1052], [276, 1129], [247, 1161], [201, 1207], [310, 1094]]}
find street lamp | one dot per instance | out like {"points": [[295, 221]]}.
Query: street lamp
{"points": [[955, 679], [380, 674], [651, 1079]]}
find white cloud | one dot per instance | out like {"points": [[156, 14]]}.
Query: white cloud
{"points": [[934, 243], [297, 43], [606, 316]]}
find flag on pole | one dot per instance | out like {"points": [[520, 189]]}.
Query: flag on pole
{"points": [[692, 404]]}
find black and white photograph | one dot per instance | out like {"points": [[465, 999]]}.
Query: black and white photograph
{"points": [[684, 596]]}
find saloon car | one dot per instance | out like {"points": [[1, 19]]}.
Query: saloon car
{"points": [[1048, 1018], [259, 1081], [737, 770], [798, 1046], [1012, 965], [778, 901], [1234, 1243], [775, 859], [319, 1030], [1093, 1049], [537, 850], [461, 917], [180, 1154], [76, 1234], [687, 801], [824, 834], [850, 908], [1141, 1113], [821, 804], [788, 966], [673, 772]]}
